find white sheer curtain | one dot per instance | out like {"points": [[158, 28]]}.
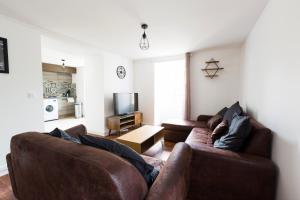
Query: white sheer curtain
{"points": [[170, 89]]}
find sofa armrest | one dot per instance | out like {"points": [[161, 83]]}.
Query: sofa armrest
{"points": [[173, 180], [77, 130], [204, 117], [11, 175], [231, 175]]}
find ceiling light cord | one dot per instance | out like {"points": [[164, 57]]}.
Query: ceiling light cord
{"points": [[144, 42]]}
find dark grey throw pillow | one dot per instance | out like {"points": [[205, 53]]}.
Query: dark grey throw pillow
{"points": [[62, 134], [235, 108], [148, 171], [213, 122], [238, 132], [222, 112]]}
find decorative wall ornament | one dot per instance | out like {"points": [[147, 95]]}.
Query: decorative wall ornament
{"points": [[121, 72], [211, 69], [3, 56], [144, 43]]}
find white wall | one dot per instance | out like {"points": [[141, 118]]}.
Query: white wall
{"points": [[21, 90], [271, 85], [96, 73], [100, 82], [21, 102], [54, 56], [94, 94], [208, 96], [78, 79], [144, 85], [112, 83]]}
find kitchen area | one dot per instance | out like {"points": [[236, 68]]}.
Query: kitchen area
{"points": [[62, 107]]}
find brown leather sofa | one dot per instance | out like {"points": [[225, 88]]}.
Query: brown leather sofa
{"points": [[225, 175], [49, 168]]}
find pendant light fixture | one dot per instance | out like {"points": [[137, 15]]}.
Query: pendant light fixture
{"points": [[144, 43], [63, 63]]}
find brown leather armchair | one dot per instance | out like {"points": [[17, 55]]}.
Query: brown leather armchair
{"points": [[48, 168]]}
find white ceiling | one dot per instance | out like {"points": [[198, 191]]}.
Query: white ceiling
{"points": [[175, 26]]}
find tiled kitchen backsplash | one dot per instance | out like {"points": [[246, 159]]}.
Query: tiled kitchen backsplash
{"points": [[57, 84]]}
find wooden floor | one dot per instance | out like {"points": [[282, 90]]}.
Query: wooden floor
{"points": [[156, 151]]}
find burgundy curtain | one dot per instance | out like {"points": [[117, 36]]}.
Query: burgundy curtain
{"points": [[187, 113]]}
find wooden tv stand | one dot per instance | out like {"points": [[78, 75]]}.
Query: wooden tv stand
{"points": [[124, 122]]}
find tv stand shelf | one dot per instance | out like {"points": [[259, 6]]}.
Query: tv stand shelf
{"points": [[124, 122], [127, 121]]}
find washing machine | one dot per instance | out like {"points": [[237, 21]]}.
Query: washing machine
{"points": [[50, 109]]}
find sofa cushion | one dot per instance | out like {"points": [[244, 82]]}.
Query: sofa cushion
{"points": [[238, 132], [146, 170], [199, 137], [177, 130], [213, 122], [204, 117], [220, 130], [235, 108], [183, 125]]}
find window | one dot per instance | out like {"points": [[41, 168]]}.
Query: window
{"points": [[169, 90]]}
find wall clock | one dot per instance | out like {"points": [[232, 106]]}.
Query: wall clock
{"points": [[121, 72]]}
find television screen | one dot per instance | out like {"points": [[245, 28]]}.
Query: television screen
{"points": [[125, 103]]}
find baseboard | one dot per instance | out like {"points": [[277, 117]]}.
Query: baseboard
{"points": [[3, 170]]}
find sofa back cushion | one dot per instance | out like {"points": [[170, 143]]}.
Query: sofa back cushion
{"points": [[77, 130], [222, 112], [234, 109], [213, 122], [259, 141], [47, 168]]}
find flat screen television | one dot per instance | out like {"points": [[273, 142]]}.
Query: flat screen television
{"points": [[125, 103]]}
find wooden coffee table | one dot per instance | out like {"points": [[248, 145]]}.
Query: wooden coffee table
{"points": [[142, 138]]}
